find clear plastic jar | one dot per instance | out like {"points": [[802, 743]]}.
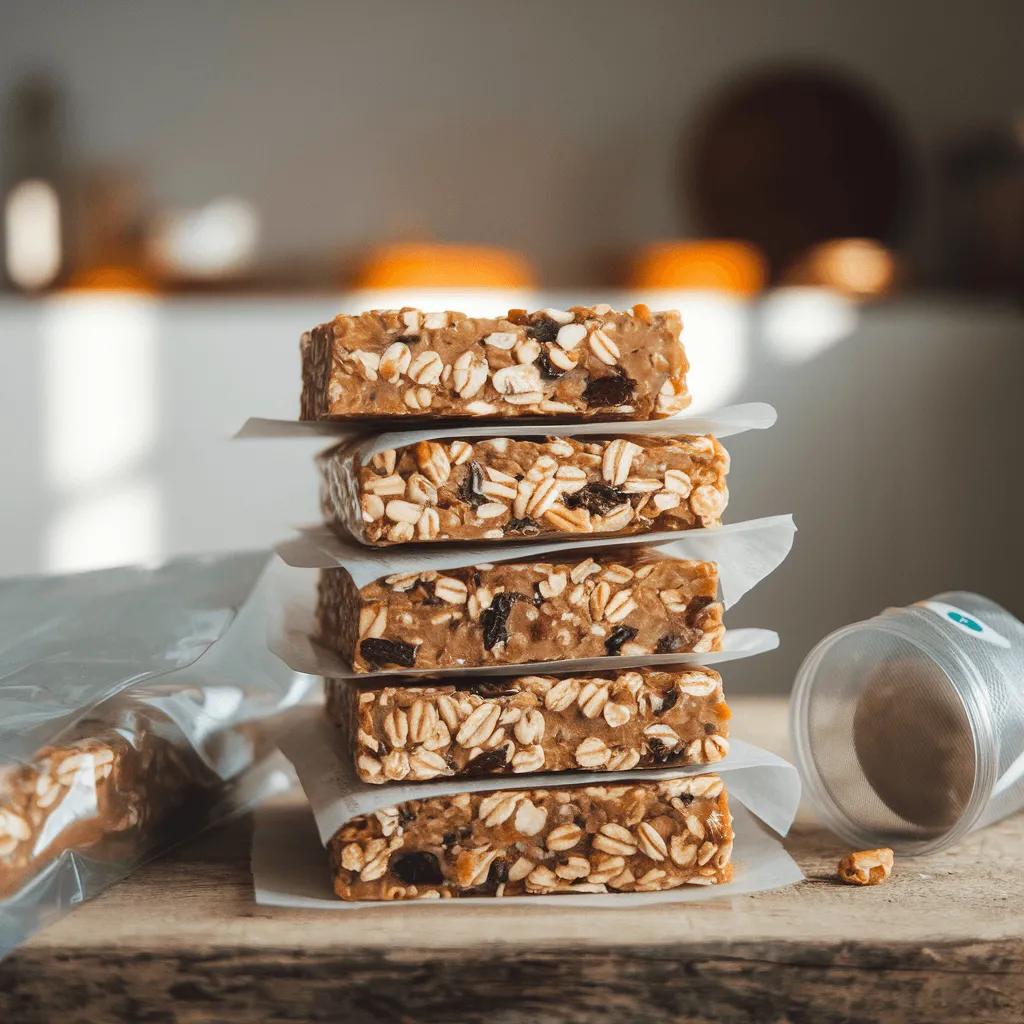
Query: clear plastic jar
{"points": [[908, 728]]}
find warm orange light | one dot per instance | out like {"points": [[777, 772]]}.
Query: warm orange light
{"points": [[857, 267], [111, 279], [700, 265], [426, 265]]}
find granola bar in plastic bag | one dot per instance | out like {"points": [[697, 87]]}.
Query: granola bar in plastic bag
{"points": [[133, 705]]}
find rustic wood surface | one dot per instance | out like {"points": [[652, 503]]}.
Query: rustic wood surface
{"points": [[182, 941]]}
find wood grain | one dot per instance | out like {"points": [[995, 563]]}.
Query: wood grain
{"points": [[182, 941]]}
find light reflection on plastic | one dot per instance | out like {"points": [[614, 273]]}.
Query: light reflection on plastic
{"points": [[798, 324], [119, 525], [716, 331], [100, 377], [32, 241], [483, 302]]}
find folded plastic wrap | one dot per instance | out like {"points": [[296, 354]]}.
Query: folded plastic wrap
{"points": [[132, 714]]}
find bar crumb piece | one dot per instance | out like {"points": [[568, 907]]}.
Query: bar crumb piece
{"points": [[866, 867]]}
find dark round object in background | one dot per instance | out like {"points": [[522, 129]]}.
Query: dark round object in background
{"points": [[792, 157]]}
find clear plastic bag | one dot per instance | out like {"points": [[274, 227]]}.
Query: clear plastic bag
{"points": [[131, 703]]}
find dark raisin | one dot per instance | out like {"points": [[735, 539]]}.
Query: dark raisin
{"points": [[695, 607], [526, 526], [664, 756], [485, 888], [488, 761], [469, 490], [538, 597], [498, 872], [670, 643], [543, 329], [380, 652], [596, 498], [464, 833], [495, 619], [669, 702], [478, 580], [417, 868], [615, 389], [547, 369], [448, 840], [580, 822], [710, 728], [519, 476], [619, 636], [687, 799], [660, 754], [494, 688]]}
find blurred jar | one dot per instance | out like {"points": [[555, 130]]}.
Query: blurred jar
{"points": [[33, 188], [109, 229], [982, 210], [859, 268]]}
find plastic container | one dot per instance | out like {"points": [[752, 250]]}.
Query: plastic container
{"points": [[908, 728]]}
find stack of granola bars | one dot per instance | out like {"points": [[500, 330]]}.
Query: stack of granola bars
{"points": [[574, 661]]}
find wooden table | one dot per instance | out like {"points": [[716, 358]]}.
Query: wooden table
{"points": [[182, 940]]}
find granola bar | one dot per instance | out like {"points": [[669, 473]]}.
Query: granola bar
{"points": [[587, 362], [104, 784], [635, 837], [609, 721], [506, 488], [629, 601]]}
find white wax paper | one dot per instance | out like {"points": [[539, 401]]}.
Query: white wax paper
{"points": [[764, 783], [723, 423], [290, 869], [745, 552]]}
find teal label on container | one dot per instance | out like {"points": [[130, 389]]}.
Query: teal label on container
{"points": [[969, 624]]}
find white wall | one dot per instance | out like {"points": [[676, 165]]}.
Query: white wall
{"points": [[898, 448], [551, 126]]}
